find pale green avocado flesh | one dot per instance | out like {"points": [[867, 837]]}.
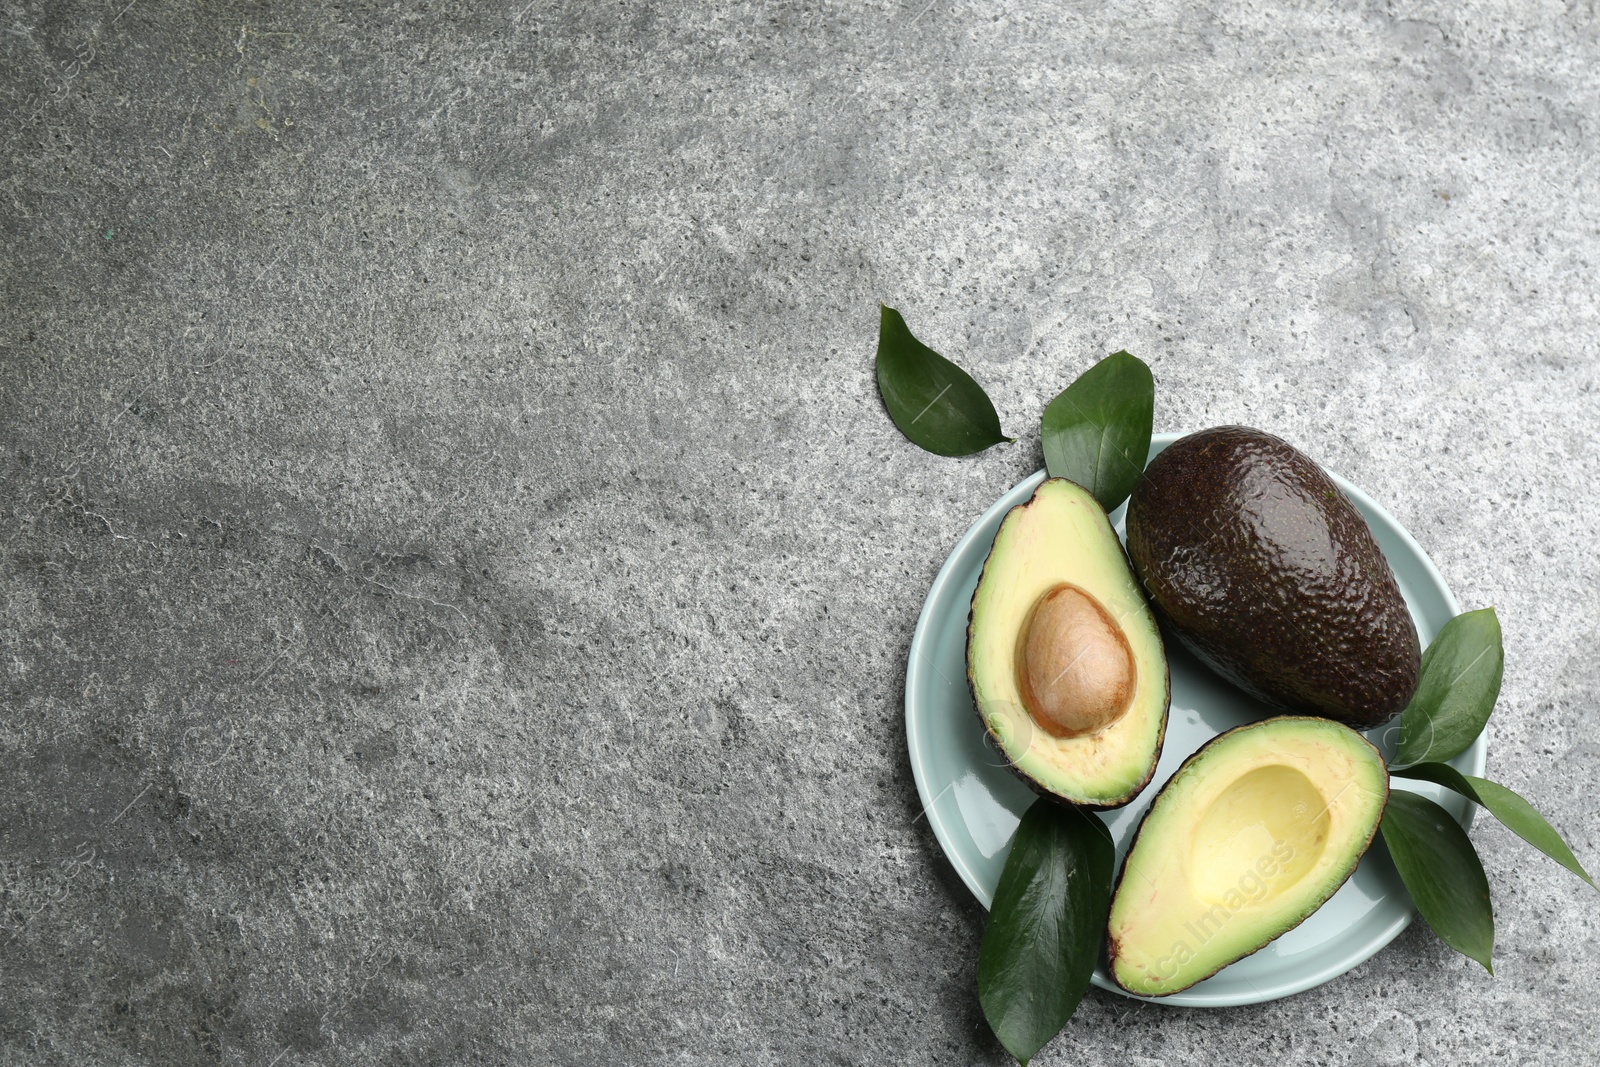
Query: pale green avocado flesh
{"points": [[1251, 835], [1062, 536]]}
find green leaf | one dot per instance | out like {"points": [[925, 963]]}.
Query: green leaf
{"points": [[1441, 870], [1456, 693], [1517, 814], [932, 401], [1047, 925], [1097, 430]]}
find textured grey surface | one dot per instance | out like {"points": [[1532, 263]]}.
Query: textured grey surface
{"points": [[458, 575]]}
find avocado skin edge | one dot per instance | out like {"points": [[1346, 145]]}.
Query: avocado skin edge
{"points": [[1166, 697], [1122, 869], [1262, 567]]}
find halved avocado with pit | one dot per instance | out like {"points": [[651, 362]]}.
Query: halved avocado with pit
{"points": [[1251, 836], [1064, 657]]}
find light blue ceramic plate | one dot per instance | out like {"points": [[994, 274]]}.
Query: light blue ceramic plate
{"points": [[973, 802]]}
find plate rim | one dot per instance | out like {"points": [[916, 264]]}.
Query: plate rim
{"points": [[1476, 754]]}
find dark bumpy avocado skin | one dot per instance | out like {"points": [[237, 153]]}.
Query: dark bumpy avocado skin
{"points": [[1267, 572]]}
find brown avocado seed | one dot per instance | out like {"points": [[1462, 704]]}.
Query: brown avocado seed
{"points": [[1074, 667]]}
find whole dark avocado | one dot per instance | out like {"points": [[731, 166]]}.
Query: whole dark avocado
{"points": [[1266, 571]]}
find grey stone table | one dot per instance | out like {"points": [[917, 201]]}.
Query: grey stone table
{"points": [[458, 574]]}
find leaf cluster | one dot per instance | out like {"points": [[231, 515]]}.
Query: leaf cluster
{"points": [[1455, 696], [1095, 432]]}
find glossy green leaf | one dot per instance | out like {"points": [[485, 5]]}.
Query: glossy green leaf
{"points": [[1047, 925], [1442, 872], [1517, 814], [934, 402], [1456, 693], [1097, 430]]}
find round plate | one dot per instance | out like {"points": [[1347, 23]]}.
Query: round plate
{"points": [[974, 802]]}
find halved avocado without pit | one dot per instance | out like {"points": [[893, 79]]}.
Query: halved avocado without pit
{"points": [[1251, 836], [1064, 657]]}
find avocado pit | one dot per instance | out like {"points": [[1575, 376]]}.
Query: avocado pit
{"points": [[1075, 671]]}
